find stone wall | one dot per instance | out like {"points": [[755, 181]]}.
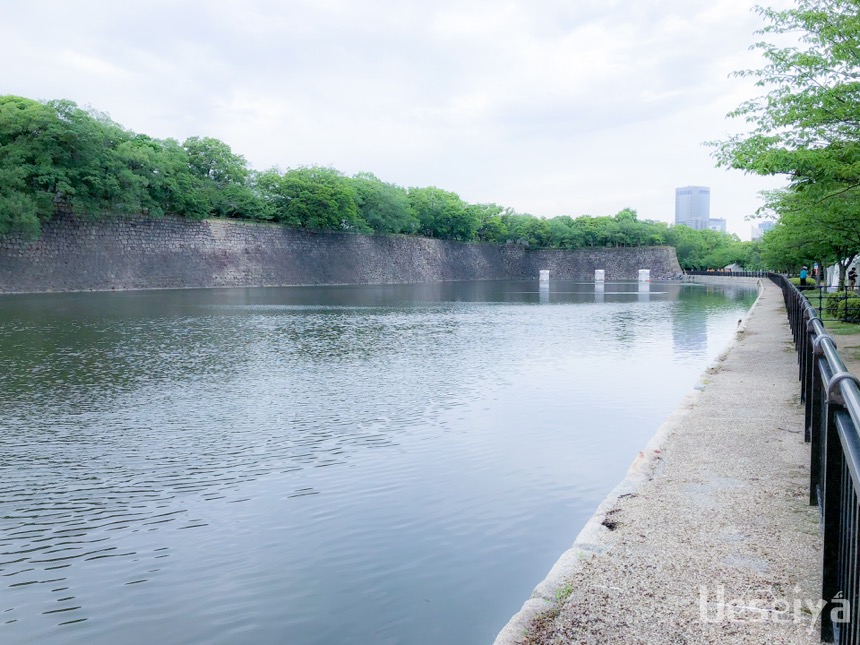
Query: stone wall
{"points": [[143, 253]]}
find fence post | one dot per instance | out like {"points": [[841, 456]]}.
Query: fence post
{"points": [[804, 350], [831, 501], [807, 394], [817, 429]]}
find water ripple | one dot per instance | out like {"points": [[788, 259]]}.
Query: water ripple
{"points": [[288, 465]]}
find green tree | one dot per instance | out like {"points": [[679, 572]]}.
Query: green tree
{"points": [[812, 228], [55, 153], [600, 231], [173, 187], [312, 197], [806, 126], [383, 206], [527, 229], [491, 228], [636, 232], [28, 184], [588, 230], [752, 257], [443, 214], [654, 233], [564, 233], [630, 231], [214, 160], [704, 249], [689, 247], [222, 179]]}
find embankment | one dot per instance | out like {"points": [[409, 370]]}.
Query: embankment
{"points": [[717, 500], [168, 253]]}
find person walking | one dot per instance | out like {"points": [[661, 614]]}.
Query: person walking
{"points": [[804, 273], [852, 278]]}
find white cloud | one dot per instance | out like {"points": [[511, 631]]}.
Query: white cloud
{"points": [[547, 106], [90, 66]]}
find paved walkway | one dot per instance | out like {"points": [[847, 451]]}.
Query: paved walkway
{"points": [[710, 539]]}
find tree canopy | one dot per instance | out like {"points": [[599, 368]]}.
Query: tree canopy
{"points": [[806, 127], [56, 156]]}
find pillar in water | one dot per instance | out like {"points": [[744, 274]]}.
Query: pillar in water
{"points": [[544, 275], [644, 275], [599, 275]]}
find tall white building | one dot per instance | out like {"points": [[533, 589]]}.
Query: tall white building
{"points": [[693, 206], [758, 230], [717, 224]]}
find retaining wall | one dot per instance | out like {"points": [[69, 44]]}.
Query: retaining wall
{"points": [[144, 253]]}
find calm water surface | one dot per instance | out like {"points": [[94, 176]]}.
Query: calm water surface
{"points": [[387, 464]]}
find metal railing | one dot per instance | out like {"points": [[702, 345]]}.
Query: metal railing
{"points": [[840, 304], [832, 417]]}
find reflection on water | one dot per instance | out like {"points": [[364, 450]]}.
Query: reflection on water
{"points": [[321, 465]]}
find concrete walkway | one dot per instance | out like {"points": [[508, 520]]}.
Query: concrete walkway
{"points": [[710, 539]]}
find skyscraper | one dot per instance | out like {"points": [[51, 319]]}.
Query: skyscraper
{"points": [[758, 230], [693, 206]]}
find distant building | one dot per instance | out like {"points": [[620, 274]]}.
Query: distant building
{"points": [[693, 206], [758, 230], [693, 209], [716, 224]]}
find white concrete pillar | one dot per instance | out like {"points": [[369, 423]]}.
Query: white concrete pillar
{"points": [[544, 275], [644, 275], [599, 275]]}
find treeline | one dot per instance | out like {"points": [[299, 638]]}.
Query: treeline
{"points": [[806, 128], [56, 155]]}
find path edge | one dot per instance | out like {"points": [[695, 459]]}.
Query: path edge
{"points": [[594, 538]]}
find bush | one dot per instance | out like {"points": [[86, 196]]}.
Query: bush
{"points": [[810, 283], [844, 306]]}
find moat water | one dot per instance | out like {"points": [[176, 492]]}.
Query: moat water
{"points": [[369, 464]]}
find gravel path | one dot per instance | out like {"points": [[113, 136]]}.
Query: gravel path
{"points": [[710, 539]]}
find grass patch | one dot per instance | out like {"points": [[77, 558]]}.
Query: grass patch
{"points": [[563, 593], [810, 282], [832, 306], [839, 328]]}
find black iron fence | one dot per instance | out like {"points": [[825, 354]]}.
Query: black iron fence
{"points": [[840, 304], [832, 401], [831, 396], [832, 304]]}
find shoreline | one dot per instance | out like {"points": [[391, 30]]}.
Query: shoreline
{"points": [[595, 539], [310, 285]]}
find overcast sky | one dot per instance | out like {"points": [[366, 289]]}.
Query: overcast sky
{"points": [[550, 107]]}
